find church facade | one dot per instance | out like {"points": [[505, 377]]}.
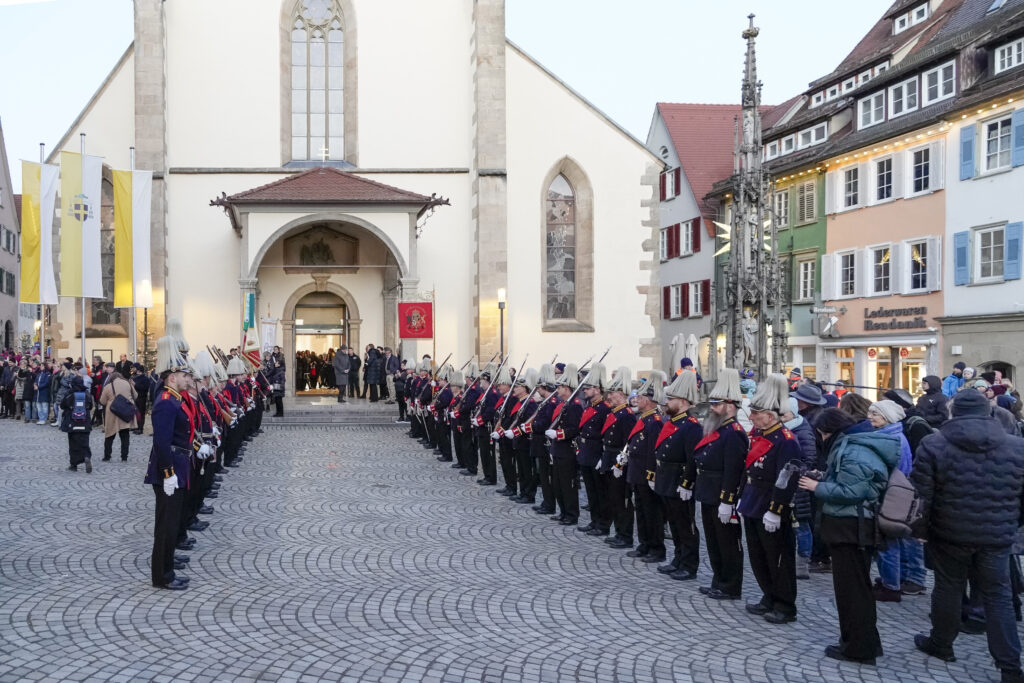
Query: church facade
{"points": [[335, 158]]}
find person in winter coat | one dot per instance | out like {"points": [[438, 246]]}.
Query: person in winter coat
{"points": [[915, 427], [112, 424], [342, 371], [78, 441], [970, 478], [859, 463], [373, 373], [28, 393], [62, 380], [42, 383], [901, 565], [955, 380], [932, 404], [7, 376], [354, 363], [141, 381], [802, 508]]}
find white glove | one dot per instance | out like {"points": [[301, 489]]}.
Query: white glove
{"points": [[598, 466], [495, 436], [724, 513], [617, 471], [551, 434], [651, 484], [433, 384], [771, 521], [509, 434], [170, 484], [684, 494], [216, 432], [621, 459], [205, 451]]}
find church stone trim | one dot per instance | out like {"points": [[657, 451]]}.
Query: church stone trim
{"points": [[652, 347], [351, 96], [584, 193], [327, 217]]}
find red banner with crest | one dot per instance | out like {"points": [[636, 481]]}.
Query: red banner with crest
{"points": [[416, 320]]}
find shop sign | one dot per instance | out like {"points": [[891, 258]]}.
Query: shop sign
{"points": [[895, 318], [904, 352], [824, 310], [872, 353]]}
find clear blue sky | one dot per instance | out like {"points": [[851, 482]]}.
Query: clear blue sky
{"points": [[623, 55]]}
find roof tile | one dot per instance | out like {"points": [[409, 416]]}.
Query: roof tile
{"points": [[326, 185]]}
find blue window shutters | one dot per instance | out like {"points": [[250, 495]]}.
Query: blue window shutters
{"points": [[967, 152], [1011, 257], [961, 252]]}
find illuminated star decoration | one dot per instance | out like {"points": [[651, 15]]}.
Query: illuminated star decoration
{"points": [[725, 233]]}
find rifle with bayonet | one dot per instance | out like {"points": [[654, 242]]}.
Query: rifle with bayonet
{"points": [[529, 398], [558, 418]]}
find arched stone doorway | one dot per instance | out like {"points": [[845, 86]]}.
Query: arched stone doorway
{"points": [[321, 328], [325, 297]]}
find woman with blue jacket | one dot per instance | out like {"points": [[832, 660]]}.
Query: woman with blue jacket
{"points": [[859, 463]]}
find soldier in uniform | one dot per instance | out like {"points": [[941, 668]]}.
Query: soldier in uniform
{"points": [[506, 453], [517, 405], [713, 479], [673, 452], [439, 410], [169, 463], [425, 400], [456, 416], [765, 503], [591, 449], [616, 430], [650, 522], [535, 427], [483, 404], [562, 435]]}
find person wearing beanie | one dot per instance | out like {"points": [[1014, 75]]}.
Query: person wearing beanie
{"points": [[1006, 419], [859, 462], [713, 478], [932, 404], [955, 380], [970, 478], [900, 565], [915, 427], [79, 450], [766, 503]]}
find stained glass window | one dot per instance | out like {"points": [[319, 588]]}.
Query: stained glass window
{"points": [[318, 75], [560, 241]]}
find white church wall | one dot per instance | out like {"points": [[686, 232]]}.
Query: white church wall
{"points": [[223, 83], [415, 83], [546, 123]]}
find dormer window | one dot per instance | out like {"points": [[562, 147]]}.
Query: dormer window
{"points": [[1009, 56], [881, 67], [864, 77], [818, 99], [832, 93], [849, 84], [772, 150], [912, 18]]}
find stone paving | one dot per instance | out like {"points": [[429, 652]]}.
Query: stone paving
{"points": [[351, 554]]}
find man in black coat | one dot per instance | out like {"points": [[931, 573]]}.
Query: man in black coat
{"points": [[342, 366], [932, 404], [970, 477]]}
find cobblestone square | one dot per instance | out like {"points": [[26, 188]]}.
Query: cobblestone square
{"points": [[352, 554]]}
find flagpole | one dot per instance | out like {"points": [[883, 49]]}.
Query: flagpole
{"points": [[42, 307], [134, 324], [81, 161], [433, 332]]}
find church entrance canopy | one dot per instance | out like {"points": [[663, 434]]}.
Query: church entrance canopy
{"points": [[331, 232]]}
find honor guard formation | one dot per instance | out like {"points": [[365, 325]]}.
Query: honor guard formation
{"points": [[207, 409], [759, 463]]}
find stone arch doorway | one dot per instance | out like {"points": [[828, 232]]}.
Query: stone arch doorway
{"points": [[324, 296], [321, 328]]}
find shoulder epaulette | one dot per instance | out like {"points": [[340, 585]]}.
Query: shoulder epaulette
{"points": [[166, 394], [737, 426], [787, 434]]}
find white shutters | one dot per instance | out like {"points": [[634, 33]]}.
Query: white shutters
{"points": [[828, 277], [934, 264]]}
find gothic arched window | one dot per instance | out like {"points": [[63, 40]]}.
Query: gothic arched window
{"points": [[560, 241], [317, 81]]}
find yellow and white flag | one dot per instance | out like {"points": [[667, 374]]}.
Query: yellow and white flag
{"points": [[81, 181], [39, 196], [133, 279]]}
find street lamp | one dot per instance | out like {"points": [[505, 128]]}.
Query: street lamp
{"points": [[501, 315]]}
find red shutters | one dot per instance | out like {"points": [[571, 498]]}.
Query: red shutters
{"points": [[684, 297], [679, 181], [662, 179], [705, 297], [672, 241], [666, 303], [695, 234]]}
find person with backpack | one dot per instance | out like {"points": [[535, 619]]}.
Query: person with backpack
{"points": [[76, 409], [970, 477], [901, 564], [859, 463]]}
